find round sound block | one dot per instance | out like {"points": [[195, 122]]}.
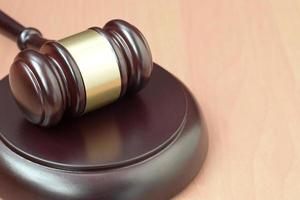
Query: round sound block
{"points": [[145, 146]]}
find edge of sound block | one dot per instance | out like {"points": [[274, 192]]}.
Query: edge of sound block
{"points": [[161, 176]]}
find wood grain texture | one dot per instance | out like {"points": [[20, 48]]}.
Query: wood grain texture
{"points": [[241, 60]]}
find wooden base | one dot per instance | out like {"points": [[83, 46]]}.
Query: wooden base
{"points": [[145, 146]]}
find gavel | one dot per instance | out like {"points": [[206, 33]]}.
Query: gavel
{"points": [[80, 73]]}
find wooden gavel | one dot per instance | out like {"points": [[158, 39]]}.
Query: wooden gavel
{"points": [[77, 74]]}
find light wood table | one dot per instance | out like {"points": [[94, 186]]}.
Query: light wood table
{"points": [[240, 58]]}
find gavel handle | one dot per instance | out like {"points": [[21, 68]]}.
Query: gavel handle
{"points": [[24, 37], [10, 27]]}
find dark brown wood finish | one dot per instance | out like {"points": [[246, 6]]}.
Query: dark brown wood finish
{"points": [[50, 79], [134, 48], [146, 146], [46, 74], [24, 37], [10, 27], [30, 38]]}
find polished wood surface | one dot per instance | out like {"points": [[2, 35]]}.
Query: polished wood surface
{"points": [[46, 81], [241, 60], [150, 152]]}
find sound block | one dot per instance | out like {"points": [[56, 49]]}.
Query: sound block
{"points": [[145, 146]]}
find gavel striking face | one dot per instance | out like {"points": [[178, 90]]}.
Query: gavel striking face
{"points": [[80, 73]]}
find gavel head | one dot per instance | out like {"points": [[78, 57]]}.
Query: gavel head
{"points": [[80, 73]]}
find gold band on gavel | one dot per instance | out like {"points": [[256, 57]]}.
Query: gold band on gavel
{"points": [[98, 65]]}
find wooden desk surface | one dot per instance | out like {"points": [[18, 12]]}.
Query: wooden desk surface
{"points": [[241, 59]]}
